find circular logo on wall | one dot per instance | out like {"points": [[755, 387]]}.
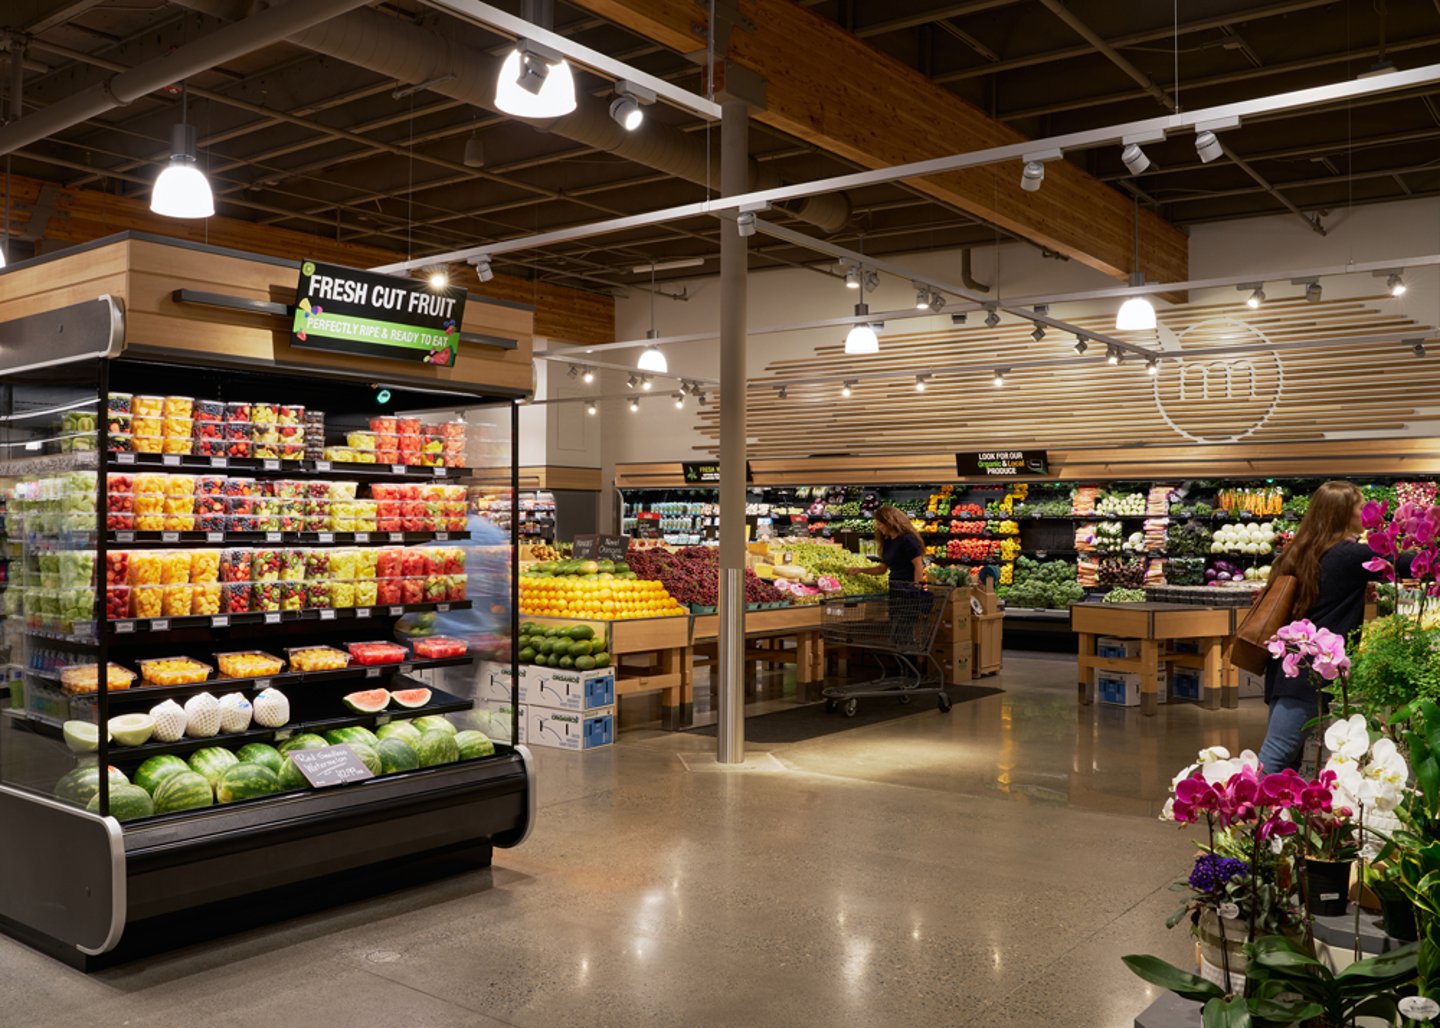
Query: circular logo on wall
{"points": [[1213, 398]]}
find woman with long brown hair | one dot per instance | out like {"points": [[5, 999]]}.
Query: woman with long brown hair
{"points": [[901, 551], [1327, 564]]}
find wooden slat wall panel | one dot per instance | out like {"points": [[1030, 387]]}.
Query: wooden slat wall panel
{"points": [[1331, 389], [81, 216]]}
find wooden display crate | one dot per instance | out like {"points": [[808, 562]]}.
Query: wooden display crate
{"points": [[986, 631]]}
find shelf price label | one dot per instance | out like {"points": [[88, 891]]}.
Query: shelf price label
{"points": [[442, 607], [159, 624], [397, 537], [326, 537], [372, 672], [269, 464], [397, 469], [362, 537], [124, 537], [272, 617], [334, 765], [442, 536], [220, 621], [262, 683], [322, 465], [124, 458], [327, 614], [395, 612], [170, 459], [214, 537], [362, 612], [169, 537], [272, 537], [124, 627], [441, 472], [219, 462]]}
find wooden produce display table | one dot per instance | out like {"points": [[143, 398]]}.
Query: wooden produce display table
{"points": [[647, 655], [1157, 626], [765, 633]]}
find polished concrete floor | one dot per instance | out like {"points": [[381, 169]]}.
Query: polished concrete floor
{"points": [[988, 867]]}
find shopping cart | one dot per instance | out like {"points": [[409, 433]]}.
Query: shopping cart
{"points": [[898, 628]]}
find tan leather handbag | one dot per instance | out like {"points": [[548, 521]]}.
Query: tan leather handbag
{"points": [[1270, 613]]}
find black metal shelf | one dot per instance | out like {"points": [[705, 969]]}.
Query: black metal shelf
{"points": [[126, 538], [147, 694], [136, 626], [440, 703], [270, 465]]}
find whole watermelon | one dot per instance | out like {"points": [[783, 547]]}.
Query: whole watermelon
{"points": [[81, 785], [473, 745], [368, 755], [211, 762], [127, 802], [397, 755], [150, 774], [246, 782], [259, 753], [403, 730], [303, 741], [432, 723], [291, 778], [184, 790], [436, 748], [355, 733]]}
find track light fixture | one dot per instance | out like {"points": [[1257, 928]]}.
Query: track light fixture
{"points": [[783, 392], [1418, 346], [745, 224], [700, 399], [1112, 355], [937, 302], [991, 318], [1134, 158], [872, 281], [1313, 292], [920, 383], [1395, 284], [1152, 366], [922, 297], [1039, 333], [847, 387], [679, 401], [182, 190], [634, 404], [535, 82], [588, 376], [632, 381], [592, 408], [1256, 297], [1032, 175], [853, 277], [1207, 146], [645, 383], [861, 339], [574, 371], [438, 278], [625, 111], [999, 378], [482, 268], [1081, 345]]}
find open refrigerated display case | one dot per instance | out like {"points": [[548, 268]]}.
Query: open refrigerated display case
{"points": [[259, 597]]}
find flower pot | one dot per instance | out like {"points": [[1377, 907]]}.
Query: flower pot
{"points": [[1397, 916], [1327, 886], [1212, 964]]}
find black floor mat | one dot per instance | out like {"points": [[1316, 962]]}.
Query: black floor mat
{"points": [[812, 720]]}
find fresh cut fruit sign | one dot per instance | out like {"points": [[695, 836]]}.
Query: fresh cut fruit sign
{"points": [[346, 310]]}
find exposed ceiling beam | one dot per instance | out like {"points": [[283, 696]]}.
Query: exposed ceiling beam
{"points": [[882, 113], [911, 21]]}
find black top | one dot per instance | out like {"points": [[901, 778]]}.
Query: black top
{"points": [[1340, 607], [899, 556]]}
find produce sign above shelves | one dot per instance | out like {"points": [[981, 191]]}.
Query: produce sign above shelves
{"points": [[699, 473], [601, 547], [1002, 463], [350, 311]]}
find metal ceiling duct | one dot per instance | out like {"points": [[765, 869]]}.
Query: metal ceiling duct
{"points": [[244, 36], [412, 53]]}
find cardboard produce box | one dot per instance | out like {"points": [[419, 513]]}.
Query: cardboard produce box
{"points": [[569, 729]]}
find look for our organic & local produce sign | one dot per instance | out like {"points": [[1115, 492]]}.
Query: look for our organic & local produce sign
{"points": [[351, 311], [1002, 463]]}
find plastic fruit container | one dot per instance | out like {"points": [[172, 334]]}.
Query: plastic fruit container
{"points": [[235, 565], [317, 658], [205, 598], [209, 410], [342, 592], [367, 593], [379, 652], [438, 647], [318, 593], [174, 671], [204, 566], [177, 599], [235, 597], [144, 568], [147, 601], [85, 678], [121, 442], [147, 406], [148, 443], [117, 602], [174, 566], [119, 403], [248, 664], [266, 596], [178, 406]]}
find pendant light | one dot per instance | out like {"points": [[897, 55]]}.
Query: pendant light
{"points": [[861, 339], [1136, 314], [182, 190], [651, 359]]}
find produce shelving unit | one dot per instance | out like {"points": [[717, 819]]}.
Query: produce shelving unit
{"points": [[87, 879]]}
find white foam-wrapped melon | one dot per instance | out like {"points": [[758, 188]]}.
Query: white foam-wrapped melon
{"points": [[170, 721], [202, 714], [272, 709], [235, 712]]}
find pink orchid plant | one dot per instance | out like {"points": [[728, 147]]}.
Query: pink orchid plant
{"points": [[1300, 644], [1413, 527]]}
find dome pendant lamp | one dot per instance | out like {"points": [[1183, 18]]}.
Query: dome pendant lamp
{"points": [[182, 190], [1137, 314]]}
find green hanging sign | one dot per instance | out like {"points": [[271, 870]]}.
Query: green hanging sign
{"points": [[346, 310]]}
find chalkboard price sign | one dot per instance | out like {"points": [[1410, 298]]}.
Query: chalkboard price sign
{"points": [[601, 547], [334, 765]]}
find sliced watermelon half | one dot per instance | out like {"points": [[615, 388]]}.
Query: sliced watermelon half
{"points": [[410, 698], [371, 701]]}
